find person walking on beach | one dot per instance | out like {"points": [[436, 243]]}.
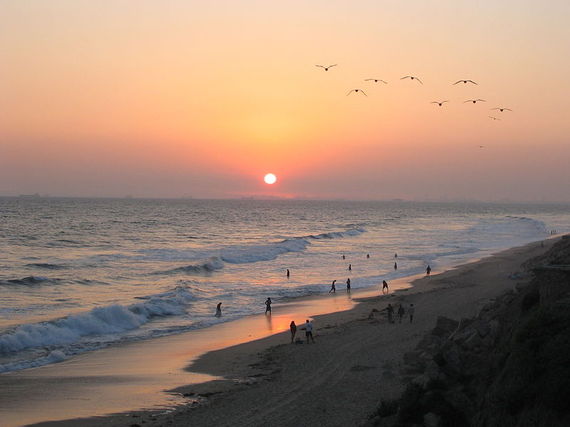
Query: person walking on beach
{"points": [[309, 331], [400, 312], [411, 312], [288, 273], [293, 329], [385, 289], [219, 310], [268, 305], [428, 270], [390, 311], [333, 287], [348, 285]]}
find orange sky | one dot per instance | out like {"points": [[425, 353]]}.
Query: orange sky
{"points": [[187, 98]]}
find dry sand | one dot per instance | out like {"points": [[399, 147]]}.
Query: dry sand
{"points": [[354, 363]]}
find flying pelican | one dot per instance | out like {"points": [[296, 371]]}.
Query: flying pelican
{"points": [[376, 81], [327, 67], [440, 103], [474, 101], [465, 81], [493, 118], [412, 78], [501, 109], [356, 91]]}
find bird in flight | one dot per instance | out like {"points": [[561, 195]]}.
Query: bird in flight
{"points": [[474, 101], [481, 146], [376, 81], [493, 118], [412, 78], [501, 109], [465, 82], [327, 67], [356, 91], [440, 103]]}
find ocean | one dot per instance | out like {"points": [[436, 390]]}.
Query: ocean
{"points": [[82, 274]]}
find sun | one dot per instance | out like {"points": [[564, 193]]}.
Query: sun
{"points": [[270, 178]]}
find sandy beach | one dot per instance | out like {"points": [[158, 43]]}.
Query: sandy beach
{"points": [[341, 378]]}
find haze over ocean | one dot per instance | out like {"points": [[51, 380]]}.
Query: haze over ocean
{"points": [[80, 274]]}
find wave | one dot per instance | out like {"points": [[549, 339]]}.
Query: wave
{"points": [[47, 266], [29, 281], [113, 319], [241, 254], [519, 226], [214, 263]]}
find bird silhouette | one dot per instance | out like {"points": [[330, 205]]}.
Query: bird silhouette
{"points": [[501, 109], [412, 78], [493, 118], [465, 82], [326, 68], [356, 91], [376, 81], [440, 103], [481, 146], [474, 101]]}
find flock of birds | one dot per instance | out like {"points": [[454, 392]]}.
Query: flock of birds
{"points": [[438, 103]]}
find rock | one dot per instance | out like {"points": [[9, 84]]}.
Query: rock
{"points": [[432, 420], [444, 327]]}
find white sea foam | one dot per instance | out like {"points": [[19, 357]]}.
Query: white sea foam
{"points": [[112, 319]]}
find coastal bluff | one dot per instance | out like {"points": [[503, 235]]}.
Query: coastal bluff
{"points": [[507, 366]]}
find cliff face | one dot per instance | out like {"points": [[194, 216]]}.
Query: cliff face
{"points": [[509, 366]]}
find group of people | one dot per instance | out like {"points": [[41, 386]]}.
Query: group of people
{"points": [[400, 312], [308, 327]]}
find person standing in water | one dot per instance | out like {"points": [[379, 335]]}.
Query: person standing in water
{"points": [[343, 257], [349, 267], [385, 289], [288, 273], [333, 287], [367, 256], [219, 310], [395, 266], [268, 305], [428, 270], [348, 285], [293, 329]]}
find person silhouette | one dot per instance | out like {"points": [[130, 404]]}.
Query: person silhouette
{"points": [[293, 329], [395, 266], [288, 273], [268, 305], [348, 285], [385, 288], [333, 287], [219, 310]]}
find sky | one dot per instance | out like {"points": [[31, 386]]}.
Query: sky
{"points": [[201, 99]]}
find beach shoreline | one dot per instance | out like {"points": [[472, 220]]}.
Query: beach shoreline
{"points": [[272, 368]]}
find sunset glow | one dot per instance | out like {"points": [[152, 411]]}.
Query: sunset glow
{"points": [[190, 99]]}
